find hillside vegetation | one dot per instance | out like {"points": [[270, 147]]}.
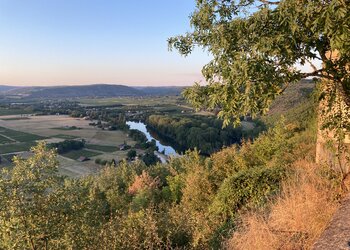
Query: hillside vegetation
{"points": [[94, 90], [189, 203]]}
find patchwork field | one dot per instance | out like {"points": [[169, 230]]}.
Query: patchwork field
{"points": [[137, 101], [13, 111], [75, 154], [18, 135]]}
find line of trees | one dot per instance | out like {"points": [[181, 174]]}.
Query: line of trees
{"points": [[67, 145], [141, 140], [201, 132]]}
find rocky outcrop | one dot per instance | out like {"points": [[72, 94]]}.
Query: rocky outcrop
{"points": [[337, 234], [333, 143]]}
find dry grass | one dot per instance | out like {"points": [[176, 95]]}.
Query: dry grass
{"points": [[296, 219]]}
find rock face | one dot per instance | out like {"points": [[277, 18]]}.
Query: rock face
{"points": [[327, 141], [337, 234]]}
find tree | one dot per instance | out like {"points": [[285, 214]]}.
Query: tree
{"points": [[131, 154], [255, 46], [28, 204]]}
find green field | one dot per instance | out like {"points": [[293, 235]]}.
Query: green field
{"points": [[4, 140], [102, 148], [16, 147], [9, 111], [19, 136], [24, 140], [8, 158], [15, 118], [66, 137], [75, 154], [67, 128], [144, 101]]}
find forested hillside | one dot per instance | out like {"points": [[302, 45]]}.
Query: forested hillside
{"points": [[190, 202], [93, 90], [202, 132]]}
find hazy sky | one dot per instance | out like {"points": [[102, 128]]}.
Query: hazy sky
{"points": [[54, 42]]}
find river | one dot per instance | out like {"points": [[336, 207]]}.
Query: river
{"points": [[140, 126]]}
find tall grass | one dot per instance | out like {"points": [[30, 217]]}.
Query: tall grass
{"points": [[297, 217]]}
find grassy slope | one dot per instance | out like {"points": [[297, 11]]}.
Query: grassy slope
{"points": [[297, 216]]}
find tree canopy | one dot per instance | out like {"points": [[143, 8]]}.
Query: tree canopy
{"points": [[256, 45]]}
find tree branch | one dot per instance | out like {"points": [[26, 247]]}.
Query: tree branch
{"points": [[317, 73], [311, 64], [269, 2]]}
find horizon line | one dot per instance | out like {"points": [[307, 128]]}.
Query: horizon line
{"points": [[89, 84]]}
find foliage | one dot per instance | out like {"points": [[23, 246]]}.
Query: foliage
{"points": [[297, 217], [201, 132], [131, 154], [141, 139], [255, 45], [191, 202], [67, 145], [249, 187], [149, 158]]}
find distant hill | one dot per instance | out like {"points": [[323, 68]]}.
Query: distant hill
{"points": [[6, 88], [154, 91], [95, 90], [293, 95]]}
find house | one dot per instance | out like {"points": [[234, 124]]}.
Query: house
{"points": [[83, 158], [123, 146]]}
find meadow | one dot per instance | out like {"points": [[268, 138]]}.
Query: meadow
{"points": [[139, 101], [19, 135], [75, 154], [14, 111]]}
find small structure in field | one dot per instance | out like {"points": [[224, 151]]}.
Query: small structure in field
{"points": [[123, 147], [83, 158]]}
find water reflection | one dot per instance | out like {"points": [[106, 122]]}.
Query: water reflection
{"points": [[140, 126]]}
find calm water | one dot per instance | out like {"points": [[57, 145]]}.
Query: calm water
{"points": [[140, 126]]}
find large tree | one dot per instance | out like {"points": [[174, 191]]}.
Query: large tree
{"points": [[256, 45]]}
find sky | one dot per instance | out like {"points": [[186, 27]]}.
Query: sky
{"points": [[75, 42]]}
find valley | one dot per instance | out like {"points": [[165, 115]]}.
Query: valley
{"points": [[99, 143], [111, 127]]}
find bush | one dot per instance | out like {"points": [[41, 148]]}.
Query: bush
{"points": [[67, 145], [131, 154], [249, 187], [298, 217]]}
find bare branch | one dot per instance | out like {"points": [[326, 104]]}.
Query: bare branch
{"points": [[269, 2], [317, 73], [312, 65]]}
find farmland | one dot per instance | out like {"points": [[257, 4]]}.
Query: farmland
{"points": [[19, 135], [14, 111], [128, 101], [75, 154]]}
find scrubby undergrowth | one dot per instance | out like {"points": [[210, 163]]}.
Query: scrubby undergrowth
{"points": [[297, 217], [265, 194]]}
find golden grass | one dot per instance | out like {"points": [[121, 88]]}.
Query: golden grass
{"points": [[296, 219]]}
